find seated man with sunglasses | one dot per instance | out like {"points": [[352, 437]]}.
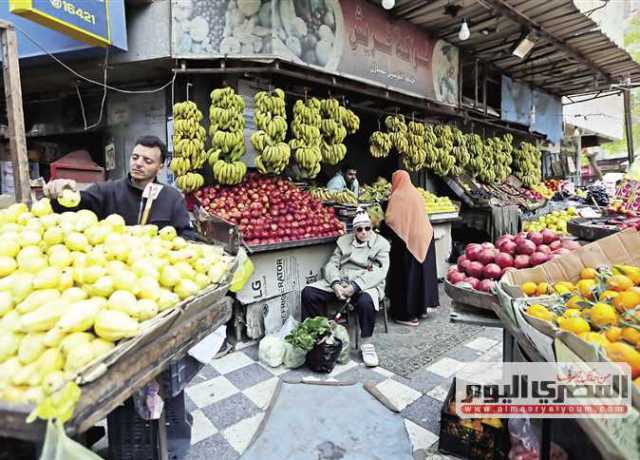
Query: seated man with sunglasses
{"points": [[356, 271]]}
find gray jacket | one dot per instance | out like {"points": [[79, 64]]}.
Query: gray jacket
{"points": [[367, 266]]}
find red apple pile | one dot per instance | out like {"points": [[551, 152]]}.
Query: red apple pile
{"points": [[482, 264], [270, 210]]}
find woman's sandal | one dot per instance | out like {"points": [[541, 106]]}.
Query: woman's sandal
{"points": [[413, 323]]}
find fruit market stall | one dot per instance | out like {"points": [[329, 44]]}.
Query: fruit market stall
{"points": [[589, 314], [100, 305]]}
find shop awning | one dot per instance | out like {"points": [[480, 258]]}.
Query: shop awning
{"points": [[571, 55]]}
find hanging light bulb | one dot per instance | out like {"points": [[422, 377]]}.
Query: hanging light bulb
{"points": [[388, 4], [464, 33]]}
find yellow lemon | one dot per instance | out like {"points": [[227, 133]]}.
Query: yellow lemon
{"points": [[594, 338], [571, 312], [586, 288], [626, 300], [573, 324], [603, 314], [574, 302], [588, 273], [619, 283], [529, 288], [540, 312], [543, 289]]}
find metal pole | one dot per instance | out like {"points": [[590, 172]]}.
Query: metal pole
{"points": [[578, 136], [628, 124], [15, 113]]}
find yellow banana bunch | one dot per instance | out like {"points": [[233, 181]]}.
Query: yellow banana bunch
{"points": [[380, 144], [334, 131], [180, 166], [229, 173], [188, 139], [321, 193], [190, 182], [270, 117], [350, 120], [227, 136], [305, 145]]}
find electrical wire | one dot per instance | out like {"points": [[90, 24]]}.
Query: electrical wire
{"points": [[89, 80], [104, 93]]}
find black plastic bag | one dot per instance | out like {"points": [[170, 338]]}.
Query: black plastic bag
{"points": [[324, 355]]}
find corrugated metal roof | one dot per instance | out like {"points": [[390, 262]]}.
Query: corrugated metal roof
{"points": [[571, 55]]}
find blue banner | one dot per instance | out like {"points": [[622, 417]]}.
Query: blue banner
{"points": [[517, 101], [548, 116]]}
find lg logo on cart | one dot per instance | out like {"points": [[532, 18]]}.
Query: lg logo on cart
{"points": [[544, 390]]}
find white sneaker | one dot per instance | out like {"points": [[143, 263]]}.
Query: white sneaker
{"points": [[369, 355]]}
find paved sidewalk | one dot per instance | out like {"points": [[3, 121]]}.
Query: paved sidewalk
{"points": [[228, 398]]}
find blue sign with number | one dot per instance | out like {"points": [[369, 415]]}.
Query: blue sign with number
{"points": [[84, 20]]}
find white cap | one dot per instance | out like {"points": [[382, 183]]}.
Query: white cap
{"points": [[361, 218]]}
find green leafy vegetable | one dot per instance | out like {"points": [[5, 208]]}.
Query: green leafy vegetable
{"points": [[308, 333]]}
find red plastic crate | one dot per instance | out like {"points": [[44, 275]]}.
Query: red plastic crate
{"points": [[78, 166]]}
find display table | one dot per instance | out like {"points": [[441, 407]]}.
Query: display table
{"points": [[123, 378], [441, 224]]}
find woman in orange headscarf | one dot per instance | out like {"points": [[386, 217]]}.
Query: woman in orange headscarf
{"points": [[413, 279]]}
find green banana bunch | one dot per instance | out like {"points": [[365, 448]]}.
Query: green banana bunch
{"points": [[395, 123], [190, 182], [307, 139], [376, 192], [188, 141], [527, 162], [229, 173], [380, 144], [226, 130]]}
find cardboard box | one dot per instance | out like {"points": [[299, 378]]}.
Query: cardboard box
{"points": [[279, 272]]}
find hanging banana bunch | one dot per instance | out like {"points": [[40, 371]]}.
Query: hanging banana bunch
{"points": [[188, 146], [475, 147], [380, 144], [226, 130], [334, 130], [307, 140], [416, 154], [527, 162], [271, 119]]}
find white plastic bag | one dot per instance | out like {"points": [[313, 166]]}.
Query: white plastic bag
{"points": [[289, 325], [271, 351], [58, 446]]}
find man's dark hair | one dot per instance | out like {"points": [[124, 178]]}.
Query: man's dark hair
{"points": [[153, 141], [346, 166]]}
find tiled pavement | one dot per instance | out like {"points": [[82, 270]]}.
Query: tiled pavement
{"points": [[228, 398]]}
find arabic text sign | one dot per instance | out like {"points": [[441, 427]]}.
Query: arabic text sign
{"points": [[83, 20], [544, 390], [397, 53]]}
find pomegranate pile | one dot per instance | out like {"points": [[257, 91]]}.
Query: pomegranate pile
{"points": [[270, 210], [482, 264]]}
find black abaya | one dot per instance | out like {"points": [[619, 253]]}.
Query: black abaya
{"points": [[412, 286]]}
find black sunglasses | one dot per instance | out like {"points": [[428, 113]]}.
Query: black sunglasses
{"points": [[366, 229]]}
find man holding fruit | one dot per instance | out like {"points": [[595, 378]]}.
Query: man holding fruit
{"points": [[139, 198]]}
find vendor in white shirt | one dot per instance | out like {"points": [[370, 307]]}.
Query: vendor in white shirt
{"points": [[345, 178]]}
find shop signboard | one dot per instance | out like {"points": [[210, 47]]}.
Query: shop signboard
{"points": [[353, 38], [84, 20]]}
